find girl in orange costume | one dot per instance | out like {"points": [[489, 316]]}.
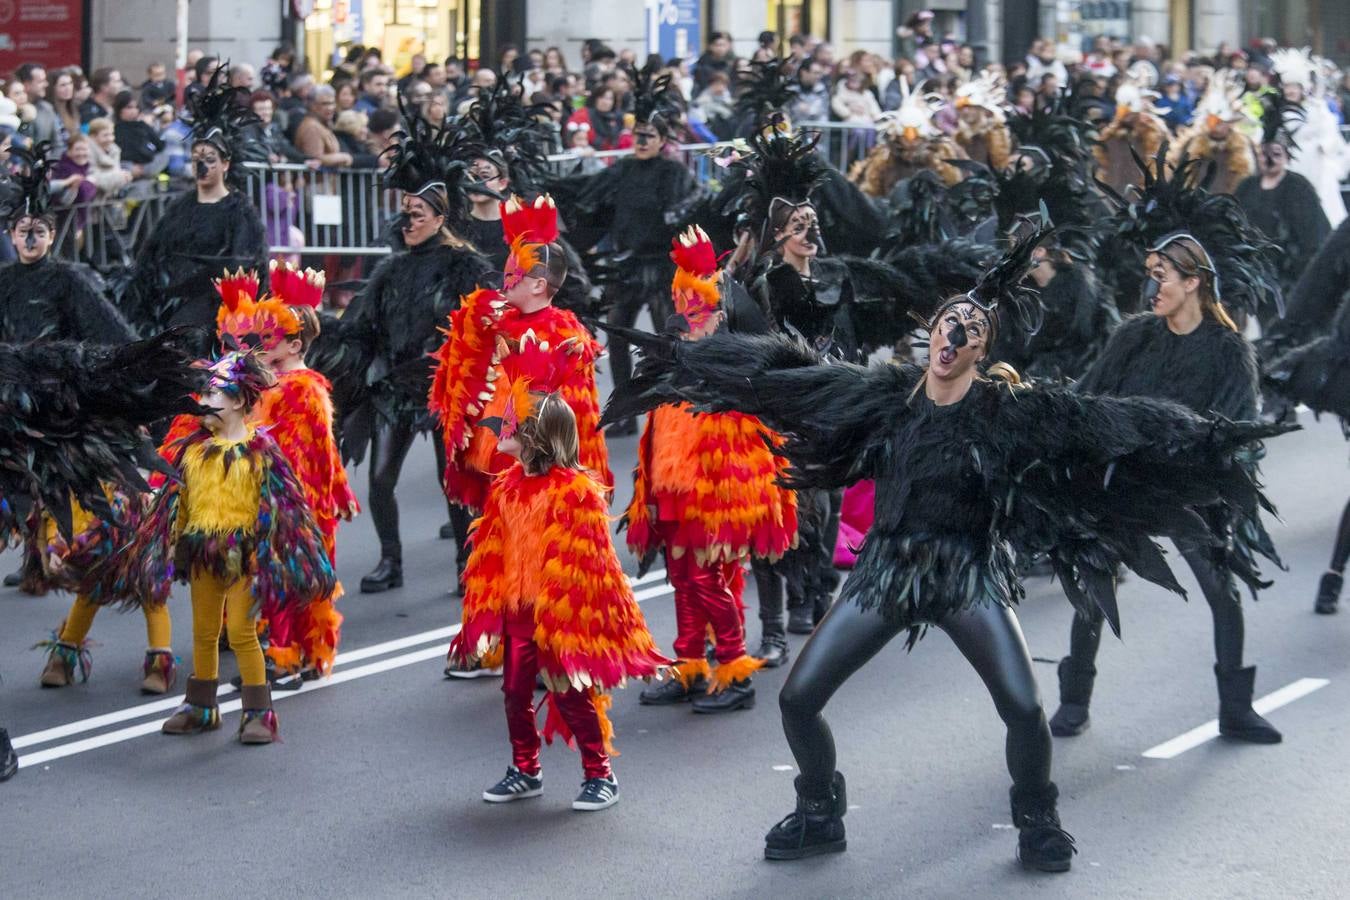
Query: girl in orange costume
{"points": [[706, 490], [544, 585]]}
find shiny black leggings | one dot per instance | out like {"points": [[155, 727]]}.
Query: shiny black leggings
{"points": [[625, 302], [989, 637], [389, 446], [1225, 605]]}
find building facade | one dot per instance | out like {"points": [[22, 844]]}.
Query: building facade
{"points": [[132, 33]]}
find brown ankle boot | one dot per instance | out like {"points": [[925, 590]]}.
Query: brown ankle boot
{"points": [[199, 713], [259, 722], [62, 660], [161, 671]]}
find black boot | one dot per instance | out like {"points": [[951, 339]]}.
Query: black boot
{"points": [[1237, 719], [737, 695], [13, 578], [772, 650], [447, 532], [815, 827], [1075, 693], [9, 760], [1328, 593], [672, 691], [388, 574], [1041, 843], [801, 618]]}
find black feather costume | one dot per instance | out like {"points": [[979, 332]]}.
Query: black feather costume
{"points": [[72, 419], [223, 117], [29, 193], [1246, 262], [519, 136], [962, 490], [656, 100], [763, 90]]}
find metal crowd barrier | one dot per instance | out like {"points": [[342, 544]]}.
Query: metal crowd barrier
{"points": [[105, 233]]}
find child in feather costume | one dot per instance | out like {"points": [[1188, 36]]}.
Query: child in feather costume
{"points": [[544, 584], [480, 359], [237, 529], [705, 489]]}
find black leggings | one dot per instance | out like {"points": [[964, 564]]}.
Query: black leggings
{"points": [[626, 301], [989, 637], [1225, 605], [389, 446], [1341, 551]]}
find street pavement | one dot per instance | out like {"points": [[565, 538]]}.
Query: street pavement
{"points": [[375, 791]]}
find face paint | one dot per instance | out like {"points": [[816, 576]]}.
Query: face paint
{"points": [[30, 242], [813, 235], [202, 169], [956, 337], [402, 221]]}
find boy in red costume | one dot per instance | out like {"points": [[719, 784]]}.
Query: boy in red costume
{"points": [[478, 361], [706, 490], [544, 585]]}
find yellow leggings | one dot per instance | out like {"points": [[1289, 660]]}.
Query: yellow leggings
{"points": [[158, 627], [212, 599]]}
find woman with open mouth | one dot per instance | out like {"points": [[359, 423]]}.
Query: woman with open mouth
{"points": [[971, 469]]}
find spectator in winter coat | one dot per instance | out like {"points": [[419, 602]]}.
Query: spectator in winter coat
{"points": [[105, 160]]}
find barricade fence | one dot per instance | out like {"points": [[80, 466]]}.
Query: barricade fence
{"points": [[348, 211]]}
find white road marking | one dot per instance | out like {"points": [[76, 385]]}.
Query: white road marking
{"points": [[1210, 730], [338, 677]]}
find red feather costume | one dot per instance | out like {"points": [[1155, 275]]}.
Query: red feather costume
{"points": [[479, 358], [706, 490], [544, 585]]}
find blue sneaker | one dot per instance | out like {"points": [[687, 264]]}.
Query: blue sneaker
{"points": [[597, 793], [515, 786]]}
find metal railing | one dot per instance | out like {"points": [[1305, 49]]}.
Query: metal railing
{"points": [[105, 233]]}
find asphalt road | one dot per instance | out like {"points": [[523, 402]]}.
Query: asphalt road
{"points": [[376, 790]]}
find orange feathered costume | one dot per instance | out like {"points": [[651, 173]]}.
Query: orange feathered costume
{"points": [[706, 490], [544, 588], [479, 357]]}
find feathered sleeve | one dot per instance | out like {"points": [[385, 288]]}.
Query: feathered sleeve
{"points": [[1318, 373], [579, 390], [483, 608], [292, 565], [460, 384], [831, 415], [144, 571], [638, 517], [1089, 480], [299, 415], [588, 627], [92, 316]]}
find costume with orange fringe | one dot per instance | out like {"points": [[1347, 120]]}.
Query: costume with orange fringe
{"points": [[480, 357], [706, 490], [544, 585]]}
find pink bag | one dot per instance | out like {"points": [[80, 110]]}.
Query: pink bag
{"points": [[855, 518]]}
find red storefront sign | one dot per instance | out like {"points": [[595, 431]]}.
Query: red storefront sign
{"points": [[43, 31]]}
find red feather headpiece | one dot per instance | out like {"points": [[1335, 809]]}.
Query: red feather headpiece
{"points": [[528, 229], [695, 287]]}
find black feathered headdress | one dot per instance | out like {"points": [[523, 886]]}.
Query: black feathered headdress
{"points": [[1279, 118], [31, 196], [781, 170], [223, 117], [432, 163], [512, 133], [764, 89], [1061, 188], [1051, 129], [1244, 261], [656, 100], [1002, 292]]}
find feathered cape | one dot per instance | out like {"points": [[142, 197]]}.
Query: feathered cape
{"points": [[548, 536], [473, 369], [298, 414], [719, 476], [1086, 480], [282, 552]]}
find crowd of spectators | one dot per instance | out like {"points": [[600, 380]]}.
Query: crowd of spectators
{"points": [[113, 139]]}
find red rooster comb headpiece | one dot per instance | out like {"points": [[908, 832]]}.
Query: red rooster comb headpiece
{"points": [[244, 321], [529, 229], [294, 286], [534, 367], [695, 287]]}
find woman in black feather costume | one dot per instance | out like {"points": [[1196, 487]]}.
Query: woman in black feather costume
{"points": [[208, 230], [971, 470], [380, 358], [1188, 350], [72, 422]]}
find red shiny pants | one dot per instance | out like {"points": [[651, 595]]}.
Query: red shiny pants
{"points": [[707, 596], [520, 665]]}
